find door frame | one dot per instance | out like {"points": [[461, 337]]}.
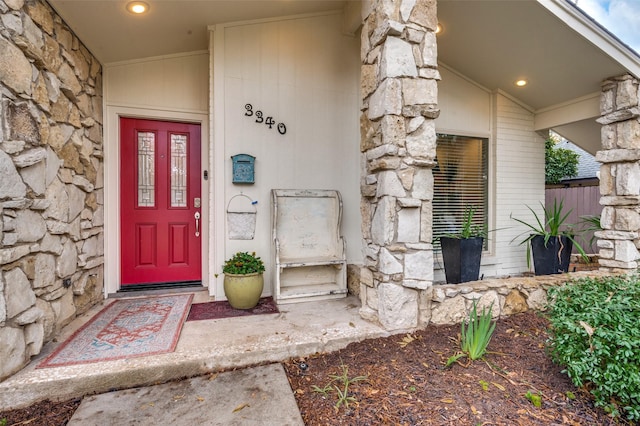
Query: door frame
{"points": [[112, 187]]}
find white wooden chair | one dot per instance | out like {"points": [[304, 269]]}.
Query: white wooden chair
{"points": [[310, 253]]}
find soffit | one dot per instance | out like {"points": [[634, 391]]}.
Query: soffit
{"points": [[113, 34], [495, 43], [492, 42]]}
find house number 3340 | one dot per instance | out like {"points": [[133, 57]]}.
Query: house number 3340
{"points": [[261, 119]]}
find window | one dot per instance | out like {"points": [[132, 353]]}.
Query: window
{"points": [[460, 179]]}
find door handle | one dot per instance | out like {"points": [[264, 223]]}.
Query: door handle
{"points": [[196, 215]]}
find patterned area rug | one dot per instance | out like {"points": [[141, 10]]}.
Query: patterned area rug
{"points": [[126, 328], [222, 309]]}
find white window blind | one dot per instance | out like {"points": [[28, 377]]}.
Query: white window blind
{"points": [[460, 180]]}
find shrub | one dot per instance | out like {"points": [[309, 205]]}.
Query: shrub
{"points": [[595, 335], [559, 163], [243, 263]]}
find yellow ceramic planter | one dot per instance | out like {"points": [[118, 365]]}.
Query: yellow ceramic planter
{"points": [[243, 291]]}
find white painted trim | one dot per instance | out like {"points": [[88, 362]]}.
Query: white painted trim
{"points": [[598, 36], [466, 133], [493, 180], [158, 110], [153, 58], [578, 109], [589, 97], [212, 28], [112, 185], [462, 76], [217, 117], [514, 100]]}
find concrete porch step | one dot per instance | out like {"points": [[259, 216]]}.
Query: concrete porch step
{"points": [[298, 330], [251, 396]]}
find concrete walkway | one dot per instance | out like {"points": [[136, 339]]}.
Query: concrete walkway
{"points": [[251, 396], [299, 330]]}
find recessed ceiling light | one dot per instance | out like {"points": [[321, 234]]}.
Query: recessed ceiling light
{"points": [[137, 7], [521, 83], [439, 28]]}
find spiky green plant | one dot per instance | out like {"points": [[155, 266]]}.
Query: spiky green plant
{"points": [[469, 229], [593, 225], [475, 335], [553, 225]]}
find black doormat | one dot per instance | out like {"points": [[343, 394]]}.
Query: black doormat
{"points": [[159, 286]]}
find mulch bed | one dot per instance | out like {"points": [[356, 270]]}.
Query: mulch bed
{"points": [[407, 383], [44, 413]]}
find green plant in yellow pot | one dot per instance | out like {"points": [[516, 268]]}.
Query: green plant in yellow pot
{"points": [[243, 280]]}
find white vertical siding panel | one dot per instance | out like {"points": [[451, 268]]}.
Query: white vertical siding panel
{"points": [[171, 83], [465, 108], [304, 72], [519, 174]]}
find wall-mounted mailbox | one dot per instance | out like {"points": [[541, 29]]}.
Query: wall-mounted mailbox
{"points": [[243, 168]]}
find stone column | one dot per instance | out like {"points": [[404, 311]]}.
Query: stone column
{"points": [[398, 144], [619, 175]]}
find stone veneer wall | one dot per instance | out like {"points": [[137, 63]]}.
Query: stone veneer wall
{"points": [[452, 303], [51, 202], [398, 144], [620, 174]]}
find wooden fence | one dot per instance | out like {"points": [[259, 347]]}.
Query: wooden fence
{"points": [[583, 201]]}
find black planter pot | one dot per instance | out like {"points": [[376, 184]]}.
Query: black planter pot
{"points": [[554, 257], [461, 258]]}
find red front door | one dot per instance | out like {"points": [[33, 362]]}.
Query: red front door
{"points": [[160, 216]]}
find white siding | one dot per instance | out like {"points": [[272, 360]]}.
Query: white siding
{"points": [[173, 83], [305, 73], [465, 108], [519, 182]]}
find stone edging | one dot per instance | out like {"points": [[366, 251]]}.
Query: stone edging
{"points": [[451, 303]]}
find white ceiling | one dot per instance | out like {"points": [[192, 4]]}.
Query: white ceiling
{"points": [[492, 42], [113, 34], [497, 42]]}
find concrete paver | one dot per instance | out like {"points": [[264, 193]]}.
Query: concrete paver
{"points": [[252, 396]]}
